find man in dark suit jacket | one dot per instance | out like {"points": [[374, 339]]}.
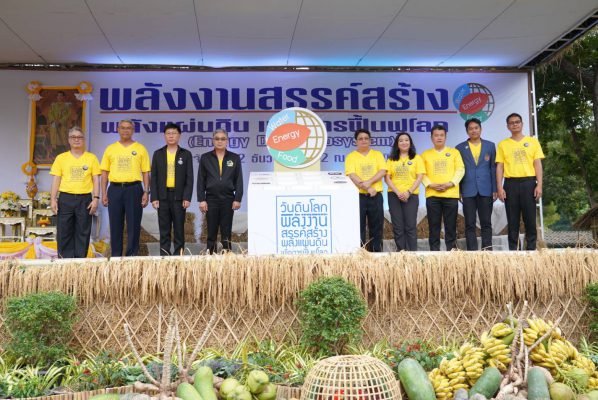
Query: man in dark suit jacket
{"points": [[219, 190], [478, 186], [171, 189]]}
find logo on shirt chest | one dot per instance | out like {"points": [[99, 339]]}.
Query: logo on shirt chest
{"points": [[230, 163], [525, 144], [85, 167], [180, 162], [134, 152]]}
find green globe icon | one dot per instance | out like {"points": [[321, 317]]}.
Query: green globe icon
{"points": [[314, 146]]}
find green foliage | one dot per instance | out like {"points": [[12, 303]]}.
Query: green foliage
{"points": [[40, 326], [592, 298], [567, 131], [330, 312], [420, 351]]}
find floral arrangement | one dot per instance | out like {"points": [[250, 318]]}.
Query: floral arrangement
{"points": [[9, 201], [44, 199]]}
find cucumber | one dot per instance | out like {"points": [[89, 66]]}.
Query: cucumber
{"points": [[537, 387], [488, 384], [186, 391], [204, 383], [415, 380]]}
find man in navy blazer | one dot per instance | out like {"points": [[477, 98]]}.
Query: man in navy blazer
{"points": [[171, 189], [478, 186]]}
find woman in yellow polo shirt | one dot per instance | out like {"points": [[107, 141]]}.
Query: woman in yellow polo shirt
{"points": [[76, 175], [404, 172]]}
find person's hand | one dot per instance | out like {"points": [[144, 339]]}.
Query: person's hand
{"points": [[156, 204], [494, 196], [372, 192], [203, 207], [538, 192], [93, 206], [54, 206], [365, 185], [186, 204], [236, 205], [105, 200], [144, 199], [502, 195], [435, 186]]}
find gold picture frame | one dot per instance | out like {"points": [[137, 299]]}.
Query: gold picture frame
{"points": [[55, 110]]}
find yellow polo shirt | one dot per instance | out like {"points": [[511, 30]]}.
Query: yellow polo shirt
{"points": [[125, 164], [365, 166], [170, 167], [476, 149], [75, 173], [441, 167], [403, 172], [518, 157]]}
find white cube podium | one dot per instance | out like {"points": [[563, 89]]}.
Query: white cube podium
{"points": [[308, 212]]}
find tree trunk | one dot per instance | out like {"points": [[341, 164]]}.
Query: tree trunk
{"points": [[584, 172]]}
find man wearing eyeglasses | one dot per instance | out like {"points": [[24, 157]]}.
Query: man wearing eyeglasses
{"points": [[125, 165], [219, 190], [76, 175], [519, 161]]}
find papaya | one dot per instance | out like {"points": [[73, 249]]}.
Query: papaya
{"points": [[204, 383], [186, 391], [415, 380], [228, 386], [256, 381], [268, 393], [560, 391]]}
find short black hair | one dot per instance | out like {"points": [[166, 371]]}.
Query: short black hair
{"points": [[514, 115], [172, 125], [473, 121], [362, 130], [438, 128]]}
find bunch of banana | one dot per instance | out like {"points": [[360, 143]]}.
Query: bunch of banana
{"points": [[537, 328], [440, 384], [593, 381], [497, 350], [472, 359], [449, 377], [584, 363]]}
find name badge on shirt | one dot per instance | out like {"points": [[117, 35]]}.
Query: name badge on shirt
{"points": [[229, 163]]}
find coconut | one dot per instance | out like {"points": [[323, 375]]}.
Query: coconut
{"points": [[579, 376], [560, 391], [593, 395]]}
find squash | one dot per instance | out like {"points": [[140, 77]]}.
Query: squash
{"points": [[488, 384], [415, 380], [537, 387], [186, 391]]}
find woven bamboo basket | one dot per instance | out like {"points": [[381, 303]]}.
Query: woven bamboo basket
{"points": [[350, 378]]}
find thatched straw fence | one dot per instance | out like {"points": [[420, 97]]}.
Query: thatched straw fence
{"points": [[411, 295]]}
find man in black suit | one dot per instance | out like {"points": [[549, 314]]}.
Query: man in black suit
{"points": [[219, 190], [171, 189]]}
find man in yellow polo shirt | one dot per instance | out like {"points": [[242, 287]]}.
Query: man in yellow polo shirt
{"points": [[76, 175], [444, 170], [519, 161], [366, 168], [125, 164]]}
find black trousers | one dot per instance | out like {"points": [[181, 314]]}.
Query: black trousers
{"points": [[404, 221], [371, 212], [74, 225], [520, 202], [124, 203], [171, 216], [219, 217], [442, 209], [478, 206]]}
